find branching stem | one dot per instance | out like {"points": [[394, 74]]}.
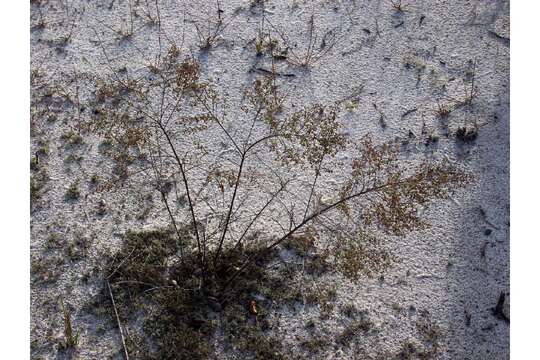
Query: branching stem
{"points": [[291, 232]]}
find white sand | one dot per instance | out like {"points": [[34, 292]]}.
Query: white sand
{"points": [[440, 270]]}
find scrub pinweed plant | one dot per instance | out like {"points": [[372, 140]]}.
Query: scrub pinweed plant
{"points": [[238, 180]]}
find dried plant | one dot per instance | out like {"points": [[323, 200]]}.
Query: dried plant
{"points": [[466, 133], [361, 255], [163, 126], [318, 43], [469, 88], [443, 110], [209, 28], [71, 339], [240, 177]]}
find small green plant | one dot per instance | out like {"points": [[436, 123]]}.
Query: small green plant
{"points": [[73, 193], [352, 105], [94, 180]]}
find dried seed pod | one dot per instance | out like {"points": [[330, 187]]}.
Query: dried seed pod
{"points": [[253, 307]]}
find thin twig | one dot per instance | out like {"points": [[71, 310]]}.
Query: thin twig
{"points": [[118, 321]]}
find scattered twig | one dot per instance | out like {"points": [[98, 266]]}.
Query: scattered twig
{"points": [[502, 39], [382, 117], [269, 72], [498, 310], [118, 321], [408, 112]]}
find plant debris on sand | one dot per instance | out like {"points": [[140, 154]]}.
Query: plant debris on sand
{"points": [[182, 309]]}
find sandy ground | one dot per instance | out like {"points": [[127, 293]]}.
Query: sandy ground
{"points": [[404, 62]]}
